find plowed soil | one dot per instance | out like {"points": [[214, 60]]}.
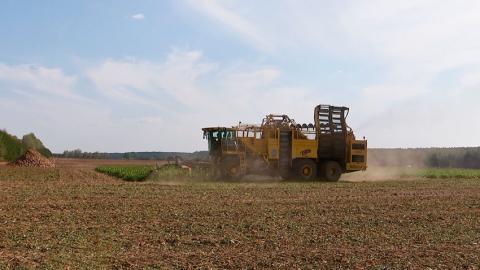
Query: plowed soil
{"points": [[72, 217]]}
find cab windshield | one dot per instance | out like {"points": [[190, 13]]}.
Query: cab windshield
{"points": [[221, 134], [216, 137]]}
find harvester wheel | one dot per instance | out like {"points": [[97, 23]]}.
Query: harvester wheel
{"points": [[331, 171], [231, 169], [306, 169]]}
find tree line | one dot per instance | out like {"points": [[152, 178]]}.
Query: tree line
{"points": [[455, 157], [77, 153], [11, 147], [469, 159]]}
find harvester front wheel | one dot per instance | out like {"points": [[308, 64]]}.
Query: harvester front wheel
{"points": [[331, 171], [231, 169], [306, 169]]}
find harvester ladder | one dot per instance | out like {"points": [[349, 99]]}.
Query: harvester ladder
{"points": [[242, 154], [243, 163], [285, 149]]}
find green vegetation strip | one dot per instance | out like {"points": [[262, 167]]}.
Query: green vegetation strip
{"points": [[128, 173], [450, 173]]}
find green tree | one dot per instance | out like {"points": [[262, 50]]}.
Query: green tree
{"points": [[11, 147], [29, 141], [433, 161]]}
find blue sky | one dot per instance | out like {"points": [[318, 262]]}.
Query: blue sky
{"points": [[148, 75]]}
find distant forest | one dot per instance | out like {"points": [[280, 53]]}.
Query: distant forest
{"points": [[456, 157], [467, 157], [198, 155], [12, 148]]}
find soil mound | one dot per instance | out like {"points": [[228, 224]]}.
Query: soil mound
{"points": [[32, 158]]}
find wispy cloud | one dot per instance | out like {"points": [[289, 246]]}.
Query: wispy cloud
{"points": [[137, 16], [141, 99], [196, 92], [414, 44], [233, 21], [133, 80], [38, 81], [47, 101]]}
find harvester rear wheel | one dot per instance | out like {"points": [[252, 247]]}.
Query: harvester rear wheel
{"points": [[305, 169], [331, 171]]}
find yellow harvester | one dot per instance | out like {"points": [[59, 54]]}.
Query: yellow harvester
{"points": [[279, 146]]}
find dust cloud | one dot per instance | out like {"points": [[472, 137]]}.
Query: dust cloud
{"points": [[374, 174], [390, 164]]}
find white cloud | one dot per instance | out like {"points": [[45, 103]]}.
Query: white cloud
{"points": [[146, 82], [163, 105], [408, 30], [415, 42], [144, 105], [189, 92], [47, 102], [232, 20], [34, 80], [138, 16], [412, 39], [140, 104]]}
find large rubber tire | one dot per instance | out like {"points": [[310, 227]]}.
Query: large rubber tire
{"points": [[331, 171], [230, 168], [305, 169]]}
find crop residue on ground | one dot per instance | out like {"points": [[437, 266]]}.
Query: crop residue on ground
{"points": [[77, 218]]}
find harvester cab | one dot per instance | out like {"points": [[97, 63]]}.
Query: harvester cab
{"points": [[218, 137], [322, 150], [224, 151]]}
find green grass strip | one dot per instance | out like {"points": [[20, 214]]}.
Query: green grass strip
{"points": [[128, 173]]}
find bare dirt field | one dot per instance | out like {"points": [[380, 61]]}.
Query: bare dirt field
{"points": [[73, 217]]}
